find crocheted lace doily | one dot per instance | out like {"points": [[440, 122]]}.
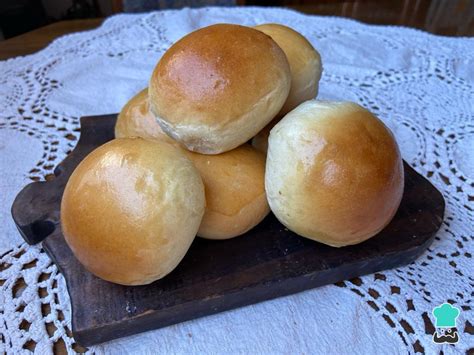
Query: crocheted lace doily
{"points": [[421, 85]]}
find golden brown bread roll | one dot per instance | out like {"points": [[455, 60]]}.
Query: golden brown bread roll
{"points": [[304, 60], [334, 172], [136, 120], [217, 87], [131, 209], [235, 191]]}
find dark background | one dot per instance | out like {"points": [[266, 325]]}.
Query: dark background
{"points": [[446, 17]]}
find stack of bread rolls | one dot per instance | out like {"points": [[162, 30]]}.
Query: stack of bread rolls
{"points": [[190, 157]]}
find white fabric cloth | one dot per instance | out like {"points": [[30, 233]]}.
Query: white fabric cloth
{"points": [[421, 85]]}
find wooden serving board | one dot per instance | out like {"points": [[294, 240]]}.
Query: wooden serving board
{"points": [[267, 262]]}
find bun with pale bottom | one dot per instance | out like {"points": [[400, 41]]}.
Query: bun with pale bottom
{"points": [[334, 173], [217, 87], [131, 210]]}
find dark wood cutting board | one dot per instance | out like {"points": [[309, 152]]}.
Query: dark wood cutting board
{"points": [[267, 262]]}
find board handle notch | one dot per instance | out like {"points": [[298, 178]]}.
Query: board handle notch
{"points": [[32, 210]]}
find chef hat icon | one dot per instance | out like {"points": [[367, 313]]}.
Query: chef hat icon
{"points": [[446, 315]]}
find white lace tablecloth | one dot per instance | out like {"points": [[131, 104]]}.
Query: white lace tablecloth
{"points": [[421, 85]]}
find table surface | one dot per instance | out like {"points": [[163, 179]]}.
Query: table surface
{"points": [[33, 41], [431, 16]]}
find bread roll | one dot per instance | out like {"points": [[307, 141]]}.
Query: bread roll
{"points": [[235, 191], [136, 120], [131, 209], [304, 60], [334, 173], [217, 87]]}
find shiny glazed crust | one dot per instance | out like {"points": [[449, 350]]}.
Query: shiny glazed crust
{"points": [[131, 209], [334, 172], [214, 89]]}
